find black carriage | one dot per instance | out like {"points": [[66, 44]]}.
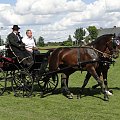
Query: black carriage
{"points": [[23, 79]]}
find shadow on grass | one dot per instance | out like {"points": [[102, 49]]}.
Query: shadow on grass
{"points": [[114, 88], [74, 90], [87, 92]]}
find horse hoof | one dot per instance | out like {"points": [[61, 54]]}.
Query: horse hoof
{"points": [[109, 93], [70, 96]]}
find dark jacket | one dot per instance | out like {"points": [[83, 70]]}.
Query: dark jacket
{"points": [[18, 47]]}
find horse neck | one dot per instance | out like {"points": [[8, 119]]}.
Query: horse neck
{"points": [[54, 59], [101, 48], [102, 45]]}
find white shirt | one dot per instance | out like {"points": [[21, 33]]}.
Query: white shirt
{"points": [[29, 43]]}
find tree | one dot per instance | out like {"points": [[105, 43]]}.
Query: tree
{"points": [[40, 41], [79, 35], [93, 32], [87, 39], [68, 42], [69, 38], [1, 41]]}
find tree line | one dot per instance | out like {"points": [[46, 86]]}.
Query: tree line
{"points": [[79, 38]]}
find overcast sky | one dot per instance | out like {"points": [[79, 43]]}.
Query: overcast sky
{"points": [[56, 19]]}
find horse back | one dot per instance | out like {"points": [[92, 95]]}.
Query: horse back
{"points": [[71, 57]]}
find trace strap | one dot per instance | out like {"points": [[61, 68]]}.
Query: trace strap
{"points": [[78, 61]]}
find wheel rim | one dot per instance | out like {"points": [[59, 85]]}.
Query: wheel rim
{"points": [[22, 84], [48, 83], [2, 81]]}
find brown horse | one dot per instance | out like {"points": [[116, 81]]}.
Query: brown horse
{"points": [[69, 60], [106, 61]]}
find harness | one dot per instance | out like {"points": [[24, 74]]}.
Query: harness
{"points": [[90, 51], [79, 63], [78, 60]]}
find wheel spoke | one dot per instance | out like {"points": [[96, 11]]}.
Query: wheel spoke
{"points": [[51, 83], [24, 82], [48, 83], [27, 89], [2, 81], [50, 86]]}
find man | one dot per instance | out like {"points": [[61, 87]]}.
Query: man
{"points": [[18, 47], [29, 42]]}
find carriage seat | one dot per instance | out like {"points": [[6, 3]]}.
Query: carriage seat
{"points": [[40, 57], [7, 59], [3, 54]]}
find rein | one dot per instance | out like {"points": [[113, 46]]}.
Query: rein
{"points": [[104, 54], [34, 48]]}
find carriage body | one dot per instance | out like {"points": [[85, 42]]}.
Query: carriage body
{"points": [[22, 78]]}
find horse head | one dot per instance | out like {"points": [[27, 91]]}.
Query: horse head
{"points": [[113, 47], [107, 44]]}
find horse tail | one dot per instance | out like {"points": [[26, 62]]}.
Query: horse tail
{"points": [[54, 59]]}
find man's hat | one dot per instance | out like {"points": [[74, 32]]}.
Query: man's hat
{"points": [[15, 27]]}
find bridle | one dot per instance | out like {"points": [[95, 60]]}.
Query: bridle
{"points": [[112, 48]]}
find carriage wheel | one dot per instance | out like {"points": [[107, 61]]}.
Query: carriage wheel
{"points": [[2, 81], [22, 84], [48, 83]]}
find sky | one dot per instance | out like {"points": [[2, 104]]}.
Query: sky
{"points": [[55, 20], [12, 2]]}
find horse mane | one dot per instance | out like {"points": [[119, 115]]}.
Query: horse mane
{"points": [[101, 38]]}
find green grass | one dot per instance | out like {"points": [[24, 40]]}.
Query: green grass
{"points": [[58, 107]]}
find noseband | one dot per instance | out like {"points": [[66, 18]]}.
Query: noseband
{"points": [[114, 45]]}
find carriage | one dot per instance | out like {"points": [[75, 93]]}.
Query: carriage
{"points": [[23, 80], [64, 60]]}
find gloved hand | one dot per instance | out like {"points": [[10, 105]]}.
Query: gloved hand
{"points": [[34, 48], [22, 46]]}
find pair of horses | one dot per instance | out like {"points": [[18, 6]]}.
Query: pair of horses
{"points": [[93, 58]]}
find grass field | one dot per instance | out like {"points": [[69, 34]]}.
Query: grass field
{"points": [[58, 107]]}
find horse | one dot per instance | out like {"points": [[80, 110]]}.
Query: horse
{"points": [[103, 66], [68, 60]]}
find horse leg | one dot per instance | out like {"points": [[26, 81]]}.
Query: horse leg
{"points": [[104, 72], [87, 77], [64, 86], [100, 82], [98, 70]]}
